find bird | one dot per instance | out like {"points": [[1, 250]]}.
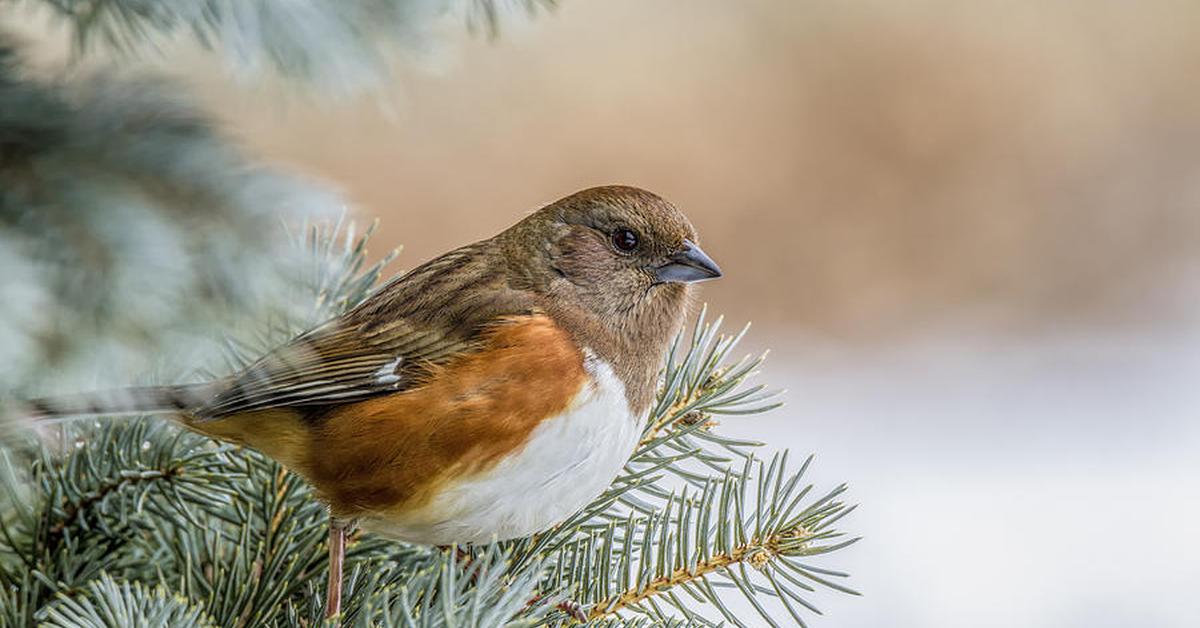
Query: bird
{"points": [[486, 394]]}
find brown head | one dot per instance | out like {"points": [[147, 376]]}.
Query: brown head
{"points": [[616, 265]]}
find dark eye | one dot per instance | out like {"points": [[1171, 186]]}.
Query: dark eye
{"points": [[625, 239]]}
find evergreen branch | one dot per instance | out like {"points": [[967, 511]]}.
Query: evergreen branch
{"points": [[487, 15], [343, 44], [72, 510], [716, 533], [107, 603], [436, 589], [125, 461], [116, 191], [697, 383], [700, 383], [755, 552]]}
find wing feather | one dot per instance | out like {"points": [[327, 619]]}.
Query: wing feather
{"points": [[386, 343], [335, 364]]}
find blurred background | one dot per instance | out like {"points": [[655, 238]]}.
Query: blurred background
{"points": [[969, 232]]}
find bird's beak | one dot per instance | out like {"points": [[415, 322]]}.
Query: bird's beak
{"points": [[687, 265]]}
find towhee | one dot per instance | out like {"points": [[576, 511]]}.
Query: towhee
{"points": [[486, 394]]}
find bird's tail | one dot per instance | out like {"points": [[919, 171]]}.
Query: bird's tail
{"points": [[143, 400]]}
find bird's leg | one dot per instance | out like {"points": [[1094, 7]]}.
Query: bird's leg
{"points": [[337, 552]]}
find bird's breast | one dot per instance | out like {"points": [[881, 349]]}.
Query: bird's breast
{"points": [[501, 442], [567, 461]]}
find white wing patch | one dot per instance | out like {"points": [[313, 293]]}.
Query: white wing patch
{"points": [[386, 375]]}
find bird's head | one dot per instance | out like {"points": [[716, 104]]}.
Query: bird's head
{"points": [[624, 255]]}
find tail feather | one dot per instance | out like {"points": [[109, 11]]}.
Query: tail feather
{"points": [[143, 400]]}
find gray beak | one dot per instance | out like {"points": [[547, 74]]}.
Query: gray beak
{"points": [[688, 265]]}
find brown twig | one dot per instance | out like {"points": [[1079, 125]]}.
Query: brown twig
{"points": [[668, 419], [757, 552]]}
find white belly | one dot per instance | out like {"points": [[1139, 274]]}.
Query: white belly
{"points": [[567, 462]]}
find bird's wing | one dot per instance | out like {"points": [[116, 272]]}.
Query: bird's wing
{"points": [[338, 363], [384, 345]]}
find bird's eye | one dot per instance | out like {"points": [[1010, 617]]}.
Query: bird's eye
{"points": [[625, 239]]}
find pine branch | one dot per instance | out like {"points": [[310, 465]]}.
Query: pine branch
{"points": [[73, 510], [107, 603], [746, 518], [130, 494], [114, 192], [343, 44], [488, 15]]}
